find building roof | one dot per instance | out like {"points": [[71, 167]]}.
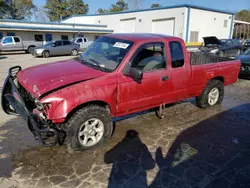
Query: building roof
{"points": [[159, 8], [58, 29], [50, 23]]}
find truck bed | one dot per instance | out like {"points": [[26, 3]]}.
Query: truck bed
{"points": [[199, 58]]}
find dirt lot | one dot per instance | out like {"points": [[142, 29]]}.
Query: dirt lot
{"points": [[190, 147]]}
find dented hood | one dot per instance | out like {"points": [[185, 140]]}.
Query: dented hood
{"points": [[41, 79]]}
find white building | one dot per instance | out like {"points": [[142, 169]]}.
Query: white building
{"points": [[186, 21], [44, 32]]}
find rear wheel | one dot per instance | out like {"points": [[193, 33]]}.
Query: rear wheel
{"points": [[88, 128], [213, 94], [30, 49], [74, 52], [46, 54]]}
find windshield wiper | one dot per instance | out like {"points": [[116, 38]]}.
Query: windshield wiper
{"points": [[97, 64]]}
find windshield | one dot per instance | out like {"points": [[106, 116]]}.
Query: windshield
{"points": [[247, 52], [48, 44], [106, 53]]}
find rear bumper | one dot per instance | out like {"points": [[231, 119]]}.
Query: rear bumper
{"points": [[13, 104]]}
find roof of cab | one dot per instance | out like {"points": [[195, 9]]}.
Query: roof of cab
{"points": [[135, 37]]}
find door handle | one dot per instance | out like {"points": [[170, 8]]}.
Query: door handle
{"points": [[164, 78]]}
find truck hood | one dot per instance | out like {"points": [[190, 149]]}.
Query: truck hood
{"points": [[41, 79], [211, 40]]}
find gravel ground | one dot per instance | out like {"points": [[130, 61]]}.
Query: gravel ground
{"points": [[190, 147]]}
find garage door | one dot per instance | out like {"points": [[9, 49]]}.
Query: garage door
{"points": [[163, 26], [127, 25]]}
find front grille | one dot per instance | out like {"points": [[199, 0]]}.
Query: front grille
{"points": [[27, 97]]}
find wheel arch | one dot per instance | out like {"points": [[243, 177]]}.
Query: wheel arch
{"points": [[95, 102]]}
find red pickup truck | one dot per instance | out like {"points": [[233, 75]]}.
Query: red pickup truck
{"points": [[118, 74]]}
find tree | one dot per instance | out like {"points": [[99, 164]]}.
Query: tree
{"points": [[155, 5], [243, 15], [120, 6], [102, 11], [57, 9], [60, 9], [135, 4], [78, 7], [16, 9]]}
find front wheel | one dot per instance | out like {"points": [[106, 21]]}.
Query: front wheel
{"points": [[213, 94], [88, 128], [46, 54], [74, 52]]}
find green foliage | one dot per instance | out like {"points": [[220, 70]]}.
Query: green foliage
{"points": [[155, 5], [78, 7], [18, 9], [102, 11], [120, 6], [60, 9], [243, 15]]}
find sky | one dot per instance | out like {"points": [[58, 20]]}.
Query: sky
{"points": [[228, 5]]}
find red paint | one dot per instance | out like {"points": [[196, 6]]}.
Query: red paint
{"points": [[122, 94]]}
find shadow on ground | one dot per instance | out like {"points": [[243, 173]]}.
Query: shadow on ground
{"points": [[214, 153], [14, 137], [2, 57]]}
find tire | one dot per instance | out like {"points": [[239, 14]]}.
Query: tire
{"points": [[202, 101], [221, 54], [74, 52], [30, 49], [76, 126], [46, 54], [26, 51]]}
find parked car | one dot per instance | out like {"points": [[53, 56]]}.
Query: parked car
{"points": [[222, 48], [59, 47], [82, 41], [15, 43], [245, 63], [118, 74]]}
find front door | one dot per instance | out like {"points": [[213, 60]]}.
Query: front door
{"points": [[57, 49], [153, 89]]}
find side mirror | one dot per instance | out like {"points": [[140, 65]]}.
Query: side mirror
{"points": [[135, 73], [53, 45], [132, 72]]}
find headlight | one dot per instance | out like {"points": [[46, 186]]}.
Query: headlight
{"points": [[214, 51], [39, 51]]}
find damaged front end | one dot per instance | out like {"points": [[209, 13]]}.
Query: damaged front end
{"points": [[17, 101]]}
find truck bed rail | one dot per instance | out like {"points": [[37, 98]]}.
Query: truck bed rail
{"points": [[199, 58]]}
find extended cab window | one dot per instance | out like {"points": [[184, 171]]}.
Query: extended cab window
{"points": [[150, 57], [17, 39], [7, 40], [176, 52]]}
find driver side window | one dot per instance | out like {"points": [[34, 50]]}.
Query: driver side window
{"points": [[150, 57]]}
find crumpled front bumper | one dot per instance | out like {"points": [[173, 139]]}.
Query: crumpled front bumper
{"points": [[13, 104]]}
